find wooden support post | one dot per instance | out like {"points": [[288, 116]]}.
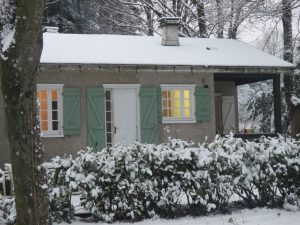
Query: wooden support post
{"points": [[277, 104]]}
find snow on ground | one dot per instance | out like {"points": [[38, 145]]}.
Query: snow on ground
{"points": [[258, 216]]}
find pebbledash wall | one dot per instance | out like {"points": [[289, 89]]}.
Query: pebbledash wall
{"points": [[94, 78]]}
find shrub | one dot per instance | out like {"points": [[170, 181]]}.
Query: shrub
{"points": [[270, 171], [7, 211], [143, 181], [59, 191]]}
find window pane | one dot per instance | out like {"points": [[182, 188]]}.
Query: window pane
{"points": [[166, 113], [187, 113], [55, 125], [166, 104], [44, 104], [108, 138], [42, 95], [108, 116], [107, 95], [54, 95], [176, 104], [54, 115], [176, 94], [186, 103], [44, 125], [54, 105], [166, 94], [186, 94], [44, 115], [108, 127], [107, 106], [175, 112]]}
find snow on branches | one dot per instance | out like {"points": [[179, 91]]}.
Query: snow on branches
{"points": [[295, 100], [143, 181], [7, 211]]}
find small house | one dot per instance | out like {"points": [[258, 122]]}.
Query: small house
{"points": [[100, 90]]}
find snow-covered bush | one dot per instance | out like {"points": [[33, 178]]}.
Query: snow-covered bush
{"points": [[291, 202], [7, 211], [271, 171], [143, 181], [59, 190]]}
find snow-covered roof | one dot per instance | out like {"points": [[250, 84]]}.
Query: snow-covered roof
{"points": [[142, 50]]}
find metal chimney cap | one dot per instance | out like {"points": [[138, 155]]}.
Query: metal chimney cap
{"points": [[50, 29], [169, 21]]}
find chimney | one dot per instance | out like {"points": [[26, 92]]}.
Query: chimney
{"points": [[169, 31]]}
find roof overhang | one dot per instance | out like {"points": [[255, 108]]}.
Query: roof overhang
{"points": [[245, 78], [220, 70]]}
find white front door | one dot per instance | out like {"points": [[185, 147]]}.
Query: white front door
{"points": [[125, 117]]}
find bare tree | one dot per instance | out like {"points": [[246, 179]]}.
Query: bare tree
{"points": [[288, 79], [200, 18], [21, 47], [220, 20], [199, 4]]}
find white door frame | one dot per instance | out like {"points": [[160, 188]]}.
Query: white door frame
{"points": [[128, 86]]}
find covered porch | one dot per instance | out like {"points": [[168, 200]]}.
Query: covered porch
{"points": [[226, 103]]}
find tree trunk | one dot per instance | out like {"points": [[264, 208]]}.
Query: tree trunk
{"points": [[295, 126], [201, 18], [150, 25], [18, 76], [288, 79], [220, 19], [234, 21]]}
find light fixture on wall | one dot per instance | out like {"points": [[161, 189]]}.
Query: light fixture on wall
{"points": [[203, 82]]}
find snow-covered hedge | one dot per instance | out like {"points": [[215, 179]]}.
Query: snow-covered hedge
{"points": [[59, 191], [271, 171], [142, 181], [7, 211]]}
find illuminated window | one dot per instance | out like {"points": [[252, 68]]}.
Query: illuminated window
{"points": [[50, 109], [178, 103]]}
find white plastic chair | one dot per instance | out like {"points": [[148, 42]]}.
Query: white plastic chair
{"points": [[2, 181], [9, 176]]}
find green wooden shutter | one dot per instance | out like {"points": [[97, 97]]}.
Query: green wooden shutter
{"points": [[150, 109], [159, 102], [203, 105], [71, 111], [96, 118]]}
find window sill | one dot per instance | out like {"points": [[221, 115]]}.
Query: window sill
{"points": [[51, 135], [164, 121]]}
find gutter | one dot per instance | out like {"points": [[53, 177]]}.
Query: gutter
{"points": [[163, 68]]}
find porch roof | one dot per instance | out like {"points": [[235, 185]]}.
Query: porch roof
{"points": [[244, 78], [142, 50]]}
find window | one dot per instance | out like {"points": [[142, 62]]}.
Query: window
{"points": [[109, 126], [178, 103], [50, 109]]}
